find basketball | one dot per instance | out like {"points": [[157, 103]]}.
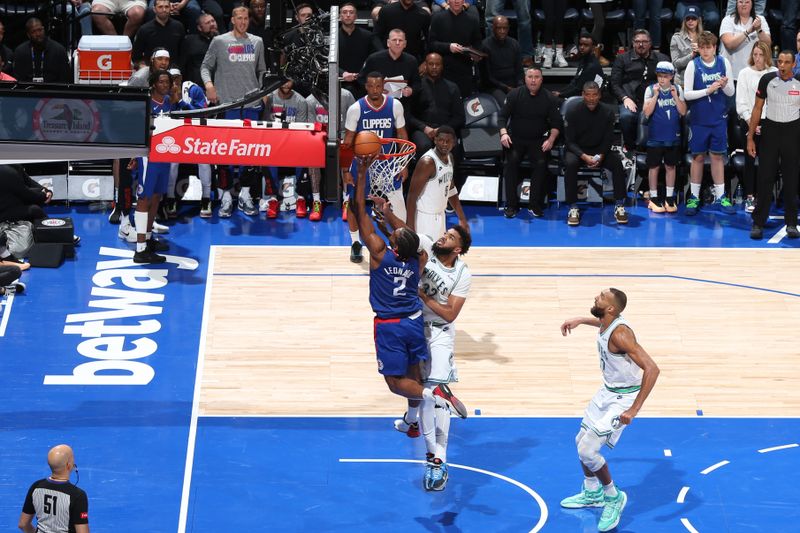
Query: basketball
{"points": [[367, 143]]}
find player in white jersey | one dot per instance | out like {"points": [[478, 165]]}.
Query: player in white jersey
{"points": [[432, 188], [444, 287], [629, 375]]}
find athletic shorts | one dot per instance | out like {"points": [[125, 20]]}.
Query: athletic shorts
{"points": [[712, 139], [119, 6], [441, 367], [658, 154], [399, 344], [602, 414], [153, 178], [431, 224]]}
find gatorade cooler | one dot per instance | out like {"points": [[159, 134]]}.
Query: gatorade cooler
{"points": [[103, 59]]}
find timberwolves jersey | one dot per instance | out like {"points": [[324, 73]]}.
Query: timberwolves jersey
{"points": [[713, 108], [440, 282], [665, 122], [393, 287], [619, 370], [433, 198]]}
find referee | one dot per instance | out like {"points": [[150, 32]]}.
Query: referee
{"points": [[779, 137], [59, 506]]}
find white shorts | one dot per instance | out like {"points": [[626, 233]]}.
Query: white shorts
{"points": [[441, 367], [398, 203], [430, 224], [119, 6], [602, 414]]}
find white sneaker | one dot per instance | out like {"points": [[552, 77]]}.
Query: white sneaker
{"points": [[16, 287], [263, 205], [225, 208], [127, 232], [160, 228], [560, 61], [246, 206], [547, 58]]}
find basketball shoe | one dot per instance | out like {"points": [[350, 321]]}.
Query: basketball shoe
{"points": [[426, 479], [438, 475], [612, 511], [301, 210], [411, 429], [316, 211], [443, 391], [585, 498]]}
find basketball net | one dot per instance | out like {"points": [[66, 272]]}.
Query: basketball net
{"points": [[394, 157]]}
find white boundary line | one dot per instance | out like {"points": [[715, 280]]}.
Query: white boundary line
{"points": [[714, 467], [566, 415], [6, 314], [682, 495], [542, 505], [198, 379], [776, 448], [688, 525]]}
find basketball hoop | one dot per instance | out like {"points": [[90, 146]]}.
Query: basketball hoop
{"points": [[394, 157]]}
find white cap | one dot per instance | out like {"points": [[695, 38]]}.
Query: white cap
{"points": [[665, 67], [175, 71]]}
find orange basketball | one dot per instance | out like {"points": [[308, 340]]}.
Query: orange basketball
{"points": [[366, 143]]}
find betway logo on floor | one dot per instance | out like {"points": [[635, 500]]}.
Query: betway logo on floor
{"points": [[128, 294]]}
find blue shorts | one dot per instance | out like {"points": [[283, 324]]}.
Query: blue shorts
{"points": [[399, 344], [712, 139], [153, 178]]}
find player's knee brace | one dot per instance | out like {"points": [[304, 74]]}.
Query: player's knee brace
{"points": [[589, 445]]}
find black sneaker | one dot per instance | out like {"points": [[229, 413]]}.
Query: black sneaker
{"points": [[756, 232], [157, 245], [148, 256], [76, 241], [444, 392], [792, 232], [536, 211], [15, 288], [510, 212], [355, 252], [116, 215]]}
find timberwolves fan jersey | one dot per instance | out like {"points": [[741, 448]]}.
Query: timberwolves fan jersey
{"points": [[393, 287], [57, 505], [619, 370]]}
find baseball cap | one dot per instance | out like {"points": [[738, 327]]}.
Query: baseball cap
{"points": [[691, 12], [665, 67]]}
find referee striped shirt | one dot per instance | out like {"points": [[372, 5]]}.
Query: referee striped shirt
{"points": [[783, 97], [58, 506]]}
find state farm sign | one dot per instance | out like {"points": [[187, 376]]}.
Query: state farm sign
{"points": [[190, 143]]}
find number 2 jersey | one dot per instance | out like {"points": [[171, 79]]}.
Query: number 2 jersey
{"points": [[394, 286]]}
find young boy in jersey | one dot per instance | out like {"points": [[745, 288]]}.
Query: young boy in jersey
{"points": [[663, 107], [707, 87]]}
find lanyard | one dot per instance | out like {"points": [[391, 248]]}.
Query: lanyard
{"points": [[41, 64]]}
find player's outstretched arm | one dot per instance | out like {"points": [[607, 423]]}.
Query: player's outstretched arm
{"points": [[625, 342], [373, 242], [384, 207], [572, 323]]}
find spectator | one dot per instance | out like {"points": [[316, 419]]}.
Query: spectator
{"points": [[588, 132], [524, 28], [737, 33], [21, 198], [707, 86], [437, 104], [789, 10], [378, 5], [134, 11], [632, 72], [589, 68], [504, 63], [159, 60], [649, 11], [394, 63], [260, 27], [599, 24], [40, 59], [10, 272], [58, 505], [452, 31], [760, 63], [76, 9], [188, 10], [683, 46], [663, 106], [412, 19], [554, 33], [195, 46], [780, 132], [708, 9], [5, 51], [3, 75], [796, 68], [232, 67], [529, 113], [760, 6], [161, 32], [355, 45]]}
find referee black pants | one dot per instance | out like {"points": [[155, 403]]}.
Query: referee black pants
{"points": [[521, 148], [778, 149]]}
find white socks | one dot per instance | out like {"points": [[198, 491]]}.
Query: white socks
{"points": [[695, 188], [719, 191], [610, 490], [670, 192], [591, 483], [140, 220], [317, 197], [653, 194], [354, 238]]}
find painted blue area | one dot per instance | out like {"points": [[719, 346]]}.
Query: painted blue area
{"points": [[289, 469]]}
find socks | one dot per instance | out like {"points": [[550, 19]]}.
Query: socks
{"points": [[427, 423], [442, 432], [427, 394], [140, 220], [244, 194], [317, 197], [413, 414], [695, 188], [670, 192], [591, 483], [610, 490], [354, 238], [654, 194], [719, 191]]}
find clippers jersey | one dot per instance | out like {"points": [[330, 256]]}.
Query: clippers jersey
{"points": [[394, 286], [383, 121], [619, 370], [433, 198]]}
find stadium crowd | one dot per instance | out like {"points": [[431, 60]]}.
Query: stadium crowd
{"points": [[655, 84]]}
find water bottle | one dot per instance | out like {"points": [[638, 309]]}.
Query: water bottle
{"points": [[738, 196]]}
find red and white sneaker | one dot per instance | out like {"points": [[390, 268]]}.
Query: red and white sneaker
{"points": [[301, 210], [410, 429], [443, 391], [345, 206], [316, 211], [272, 208]]}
